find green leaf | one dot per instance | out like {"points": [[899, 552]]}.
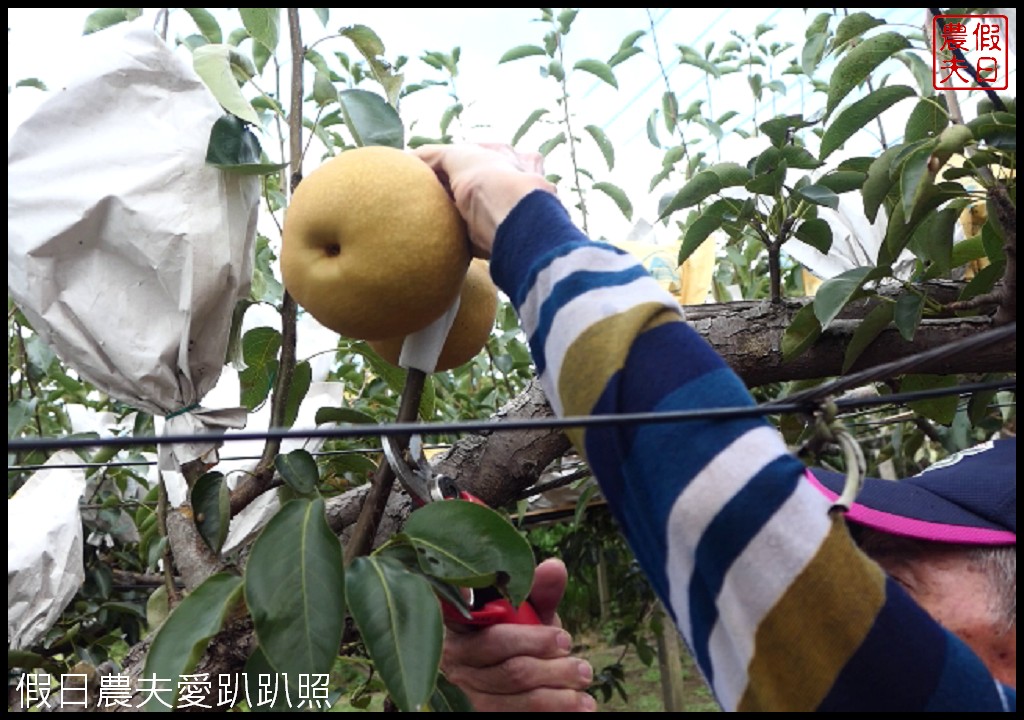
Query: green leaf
{"points": [[841, 181], [799, 158], [324, 92], [854, 25], [498, 554], [400, 622], [343, 415], [260, 346], [295, 589], [997, 129], [836, 292], [211, 504], [548, 145], [234, 148], [299, 470], [394, 377], [182, 639], [527, 124], [939, 409], [978, 405], [914, 176], [323, 14], [819, 195], [19, 412], [921, 71], [817, 233], [521, 51], [878, 182], [703, 225], [932, 241], [813, 51], [213, 63], [927, 119], [907, 314], [859, 63], [599, 69], [859, 114], [730, 174], [700, 186], [618, 197], [31, 83], [302, 376], [448, 697], [605, 145], [780, 129], [263, 25], [802, 332], [867, 330], [108, 17], [370, 119], [207, 24], [556, 70], [565, 19]]}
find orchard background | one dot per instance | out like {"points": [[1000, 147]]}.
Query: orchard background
{"points": [[851, 236]]}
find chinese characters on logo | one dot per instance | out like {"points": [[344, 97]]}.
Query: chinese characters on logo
{"points": [[970, 51]]}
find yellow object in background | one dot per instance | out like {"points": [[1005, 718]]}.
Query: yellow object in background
{"points": [[690, 282]]}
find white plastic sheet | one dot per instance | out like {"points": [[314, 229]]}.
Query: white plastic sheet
{"points": [[126, 252], [44, 549]]}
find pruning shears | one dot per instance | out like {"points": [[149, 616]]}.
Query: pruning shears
{"points": [[487, 606]]}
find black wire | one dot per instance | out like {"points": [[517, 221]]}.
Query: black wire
{"points": [[504, 425]]}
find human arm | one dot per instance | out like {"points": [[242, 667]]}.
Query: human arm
{"points": [[521, 668], [779, 608]]}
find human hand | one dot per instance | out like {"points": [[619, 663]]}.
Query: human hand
{"points": [[486, 182], [525, 668]]}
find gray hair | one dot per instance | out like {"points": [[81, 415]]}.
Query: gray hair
{"points": [[998, 563]]}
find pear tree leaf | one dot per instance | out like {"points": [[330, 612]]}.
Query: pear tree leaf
{"points": [[907, 314], [854, 25], [263, 24], [207, 24], [400, 622], [211, 504], [108, 17], [599, 69], [836, 292], [527, 124], [184, 635], [603, 143], [867, 330], [859, 114], [699, 187], [213, 63], [940, 409], [618, 197], [438, 532], [817, 233], [857, 64], [371, 119], [295, 589], [299, 470], [521, 51], [804, 329]]}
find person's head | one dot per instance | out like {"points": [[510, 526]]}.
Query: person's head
{"points": [[949, 536]]}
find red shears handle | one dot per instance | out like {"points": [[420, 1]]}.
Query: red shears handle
{"points": [[493, 612]]}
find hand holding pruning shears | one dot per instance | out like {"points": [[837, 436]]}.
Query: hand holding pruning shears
{"points": [[409, 464]]}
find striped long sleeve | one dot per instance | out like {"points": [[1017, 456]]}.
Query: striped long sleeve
{"points": [[778, 607]]}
